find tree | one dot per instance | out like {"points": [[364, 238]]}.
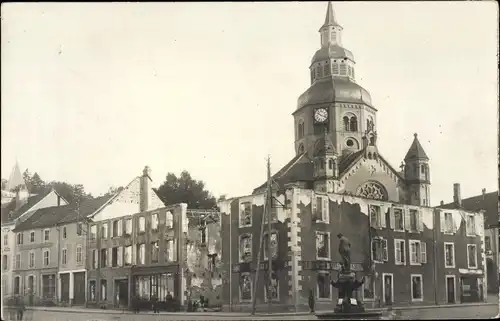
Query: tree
{"points": [[71, 193], [185, 189], [4, 183], [37, 185], [27, 179], [113, 190]]}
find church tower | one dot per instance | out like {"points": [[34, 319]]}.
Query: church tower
{"points": [[416, 171], [325, 165], [334, 102]]}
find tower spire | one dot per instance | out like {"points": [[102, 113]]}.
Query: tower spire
{"points": [[330, 16]]}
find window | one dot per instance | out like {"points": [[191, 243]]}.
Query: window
{"points": [[128, 226], [64, 256], [472, 256], [154, 221], [5, 262], [399, 252], [119, 256], [20, 238], [322, 245], [79, 228], [346, 123], [93, 232], [418, 252], [95, 259], [5, 239], [17, 285], [169, 220], [142, 224], [471, 225], [114, 257], [104, 290], [398, 220], [417, 287], [32, 237], [46, 257], [245, 248], [64, 233], [326, 70], [274, 245], [300, 128], [271, 288], [324, 285], [117, 228], [343, 69], [128, 255], [414, 221], [246, 214], [379, 250], [353, 124], [46, 235], [487, 243], [104, 258], [376, 217], [79, 254], [104, 230], [246, 286], [318, 71], [335, 68], [171, 250], [18, 261], [334, 36], [448, 226], [320, 209], [211, 262], [449, 253], [141, 251], [203, 239], [92, 286], [368, 288], [155, 250]]}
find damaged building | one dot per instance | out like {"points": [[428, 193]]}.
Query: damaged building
{"points": [[338, 182]]}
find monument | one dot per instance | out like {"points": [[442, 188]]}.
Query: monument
{"points": [[347, 306]]}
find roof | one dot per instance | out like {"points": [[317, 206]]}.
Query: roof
{"points": [[487, 202], [330, 16], [416, 150], [300, 168], [11, 206], [57, 215], [346, 162]]}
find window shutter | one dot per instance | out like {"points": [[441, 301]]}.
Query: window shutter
{"points": [[110, 257], [397, 251], [383, 218], [134, 254], [407, 219], [313, 206], [35, 285], [120, 256], [385, 255], [454, 223], [325, 217], [423, 252], [478, 225], [442, 221], [120, 228], [420, 217], [392, 219]]}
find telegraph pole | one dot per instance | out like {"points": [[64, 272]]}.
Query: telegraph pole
{"points": [[269, 214]]}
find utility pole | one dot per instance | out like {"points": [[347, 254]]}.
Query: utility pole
{"points": [[269, 213]]}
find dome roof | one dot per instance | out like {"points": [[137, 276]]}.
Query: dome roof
{"points": [[334, 89], [332, 52]]}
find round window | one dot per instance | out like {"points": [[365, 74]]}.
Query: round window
{"points": [[350, 143]]}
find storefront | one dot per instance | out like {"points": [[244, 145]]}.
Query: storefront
{"points": [[156, 282], [471, 286]]}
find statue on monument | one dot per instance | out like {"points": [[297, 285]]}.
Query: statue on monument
{"points": [[345, 252]]}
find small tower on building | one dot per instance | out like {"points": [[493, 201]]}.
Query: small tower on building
{"points": [[416, 171], [325, 165]]}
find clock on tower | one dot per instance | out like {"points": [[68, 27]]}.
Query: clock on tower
{"points": [[320, 115]]}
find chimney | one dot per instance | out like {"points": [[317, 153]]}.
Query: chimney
{"points": [[58, 200], [145, 194], [484, 193], [457, 199], [442, 203]]}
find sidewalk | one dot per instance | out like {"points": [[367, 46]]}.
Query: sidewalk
{"points": [[243, 314]]}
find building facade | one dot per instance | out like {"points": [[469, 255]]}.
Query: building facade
{"points": [[338, 182], [18, 205]]}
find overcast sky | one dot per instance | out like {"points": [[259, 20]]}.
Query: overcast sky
{"points": [[91, 93]]}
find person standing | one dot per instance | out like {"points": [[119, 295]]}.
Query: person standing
{"points": [[20, 307]]}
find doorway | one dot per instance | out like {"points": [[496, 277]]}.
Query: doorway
{"points": [[31, 289], [450, 289], [65, 287], [121, 292], [79, 288], [388, 288]]}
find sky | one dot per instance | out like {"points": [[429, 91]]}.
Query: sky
{"points": [[93, 92]]}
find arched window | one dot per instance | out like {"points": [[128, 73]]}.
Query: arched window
{"points": [[373, 190], [326, 69], [300, 129], [372, 141], [334, 36], [415, 169], [343, 68], [369, 155], [301, 149], [318, 71], [330, 164], [346, 123], [353, 124]]}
